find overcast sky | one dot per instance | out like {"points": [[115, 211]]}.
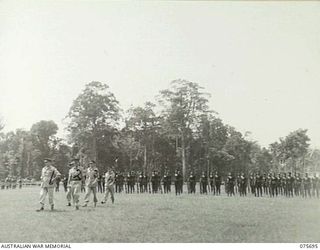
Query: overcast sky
{"points": [[259, 60]]}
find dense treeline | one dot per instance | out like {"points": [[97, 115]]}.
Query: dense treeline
{"points": [[178, 131]]}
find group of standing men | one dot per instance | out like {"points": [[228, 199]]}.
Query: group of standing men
{"points": [[76, 176], [273, 185]]}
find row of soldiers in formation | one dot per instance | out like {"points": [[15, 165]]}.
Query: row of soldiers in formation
{"points": [[273, 185], [257, 184], [10, 182]]}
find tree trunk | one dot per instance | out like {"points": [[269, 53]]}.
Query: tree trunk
{"points": [[94, 146], [145, 159], [183, 156]]}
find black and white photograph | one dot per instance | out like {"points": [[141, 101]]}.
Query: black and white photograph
{"points": [[159, 122]]}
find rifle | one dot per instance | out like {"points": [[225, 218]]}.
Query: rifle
{"points": [[50, 181]]}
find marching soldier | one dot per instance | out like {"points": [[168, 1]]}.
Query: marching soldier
{"points": [[65, 183], [58, 184], [75, 182], [99, 185], [92, 178], [110, 178], [48, 175], [68, 195]]}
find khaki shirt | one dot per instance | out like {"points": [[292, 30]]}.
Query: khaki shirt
{"points": [[92, 175], [47, 175], [110, 177], [75, 174]]}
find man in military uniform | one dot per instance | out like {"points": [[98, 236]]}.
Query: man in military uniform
{"points": [[315, 186], [99, 183], [154, 182], [284, 184], [145, 182], [264, 184], [165, 182], [132, 182], [75, 182], [127, 182], [279, 184], [290, 181], [116, 181], [103, 182], [177, 182], [92, 175], [192, 183], [230, 184], [258, 185], [297, 184], [20, 182], [140, 181], [48, 175], [212, 184], [58, 184], [121, 182], [67, 185], [252, 183], [273, 185], [204, 183], [217, 182], [243, 185], [180, 182], [307, 186], [110, 178], [269, 178], [237, 183]]}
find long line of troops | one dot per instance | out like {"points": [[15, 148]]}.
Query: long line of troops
{"points": [[266, 184], [257, 184], [88, 179]]}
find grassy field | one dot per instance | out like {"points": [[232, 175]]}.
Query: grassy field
{"points": [[160, 218]]}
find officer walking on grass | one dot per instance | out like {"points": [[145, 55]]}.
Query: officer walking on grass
{"points": [[75, 182], [92, 176], [48, 176], [109, 185]]}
